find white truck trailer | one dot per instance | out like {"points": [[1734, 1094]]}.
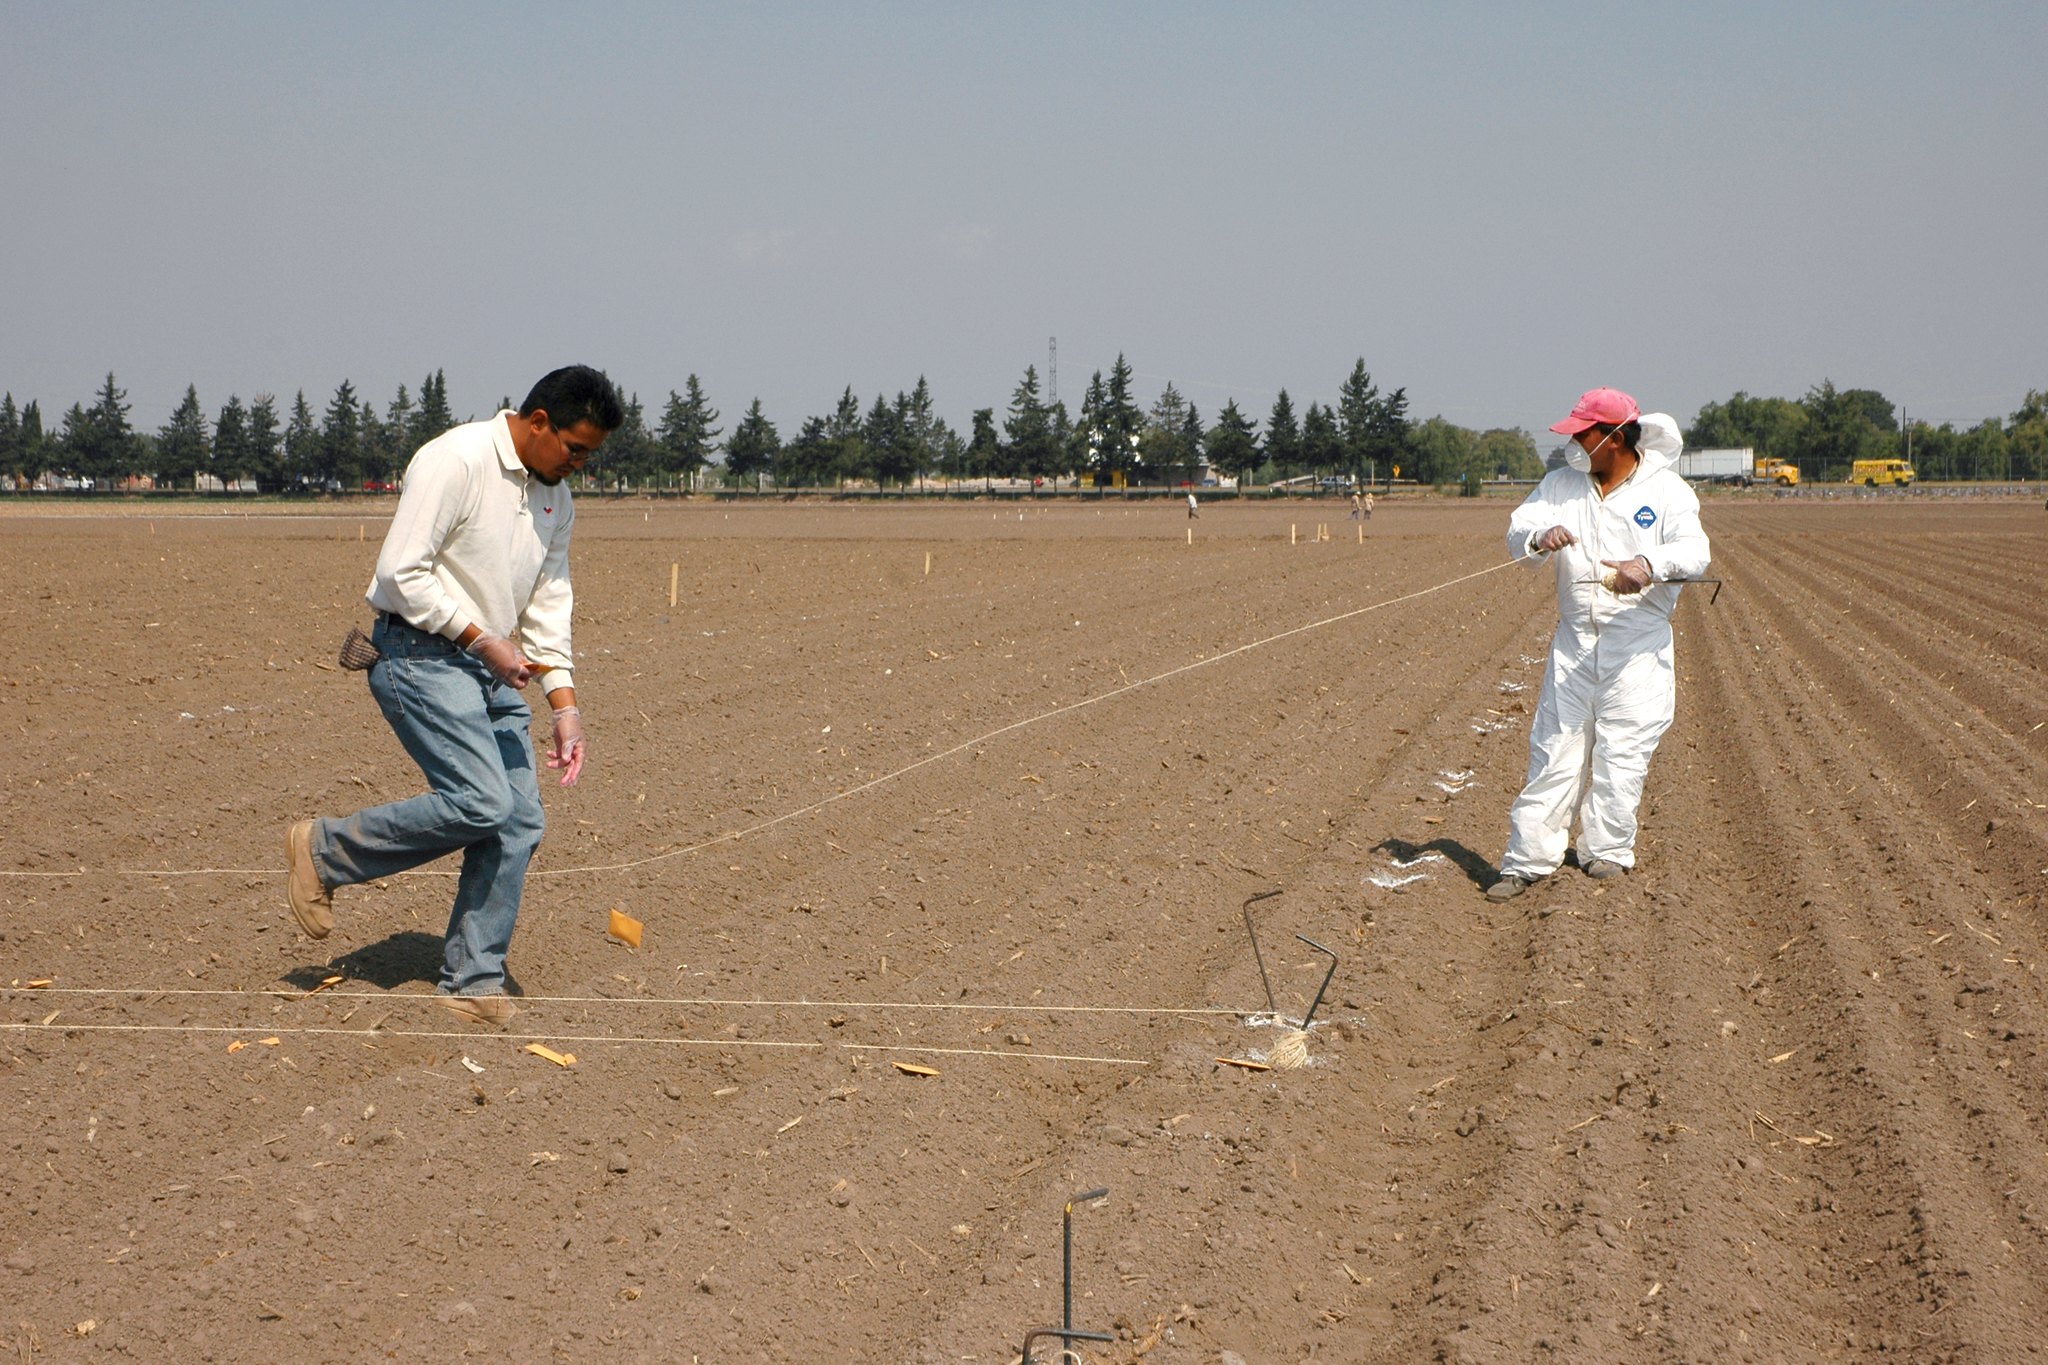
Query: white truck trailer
{"points": [[1731, 464]]}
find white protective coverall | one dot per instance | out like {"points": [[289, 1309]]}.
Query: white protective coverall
{"points": [[1609, 690]]}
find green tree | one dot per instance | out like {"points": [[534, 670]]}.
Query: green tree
{"points": [[919, 428], [1121, 423], [849, 451], [341, 439], [631, 455], [751, 452], [2027, 437], [182, 444], [37, 448], [1231, 444], [1843, 426], [266, 451], [302, 445], [12, 466], [1358, 408], [1441, 451], [232, 459], [1032, 448], [1769, 426], [396, 447], [1322, 444], [1283, 438], [101, 445], [1985, 452], [1508, 453], [432, 417], [1084, 442], [984, 454], [887, 444], [808, 460], [688, 435]]}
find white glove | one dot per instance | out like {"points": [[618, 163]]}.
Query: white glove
{"points": [[567, 750], [507, 662]]}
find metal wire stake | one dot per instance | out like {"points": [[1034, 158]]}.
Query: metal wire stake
{"points": [[1067, 1272], [1326, 979], [1714, 597], [1257, 956]]}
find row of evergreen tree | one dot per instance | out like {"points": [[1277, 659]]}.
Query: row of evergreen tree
{"points": [[896, 441], [889, 442]]}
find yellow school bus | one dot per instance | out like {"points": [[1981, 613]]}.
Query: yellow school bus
{"points": [[1871, 473]]}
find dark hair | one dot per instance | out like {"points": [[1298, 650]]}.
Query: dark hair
{"points": [[573, 394], [1631, 433]]}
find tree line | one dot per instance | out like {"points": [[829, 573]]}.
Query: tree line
{"points": [[1829, 429], [888, 442], [1365, 434]]}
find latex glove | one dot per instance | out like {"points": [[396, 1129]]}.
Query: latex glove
{"points": [[1629, 576], [507, 662], [1556, 538], [567, 750]]}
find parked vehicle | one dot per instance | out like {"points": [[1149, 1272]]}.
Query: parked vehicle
{"points": [[1729, 464], [1871, 473], [1771, 469]]}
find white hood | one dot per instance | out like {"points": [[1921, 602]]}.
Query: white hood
{"points": [[1660, 442]]}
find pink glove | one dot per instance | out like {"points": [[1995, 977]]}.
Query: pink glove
{"points": [[508, 664], [567, 750], [1630, 575], [1556, 538]]}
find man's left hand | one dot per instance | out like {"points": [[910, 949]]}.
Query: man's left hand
{"points": [[567, 750], [1630, 575]]}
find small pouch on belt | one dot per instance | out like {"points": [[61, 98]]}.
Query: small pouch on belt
{"points": [[357, 653]]}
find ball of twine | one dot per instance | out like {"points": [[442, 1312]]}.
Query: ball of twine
{"points": [[1291, 1052]]}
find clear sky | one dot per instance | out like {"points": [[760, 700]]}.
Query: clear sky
{"points": [[1495, 205]]}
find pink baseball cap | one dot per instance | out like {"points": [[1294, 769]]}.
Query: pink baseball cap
{"points": [[1610, 407]]}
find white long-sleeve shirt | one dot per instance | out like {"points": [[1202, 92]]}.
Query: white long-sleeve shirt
{"points": [[477, 539], [1653, 513]]}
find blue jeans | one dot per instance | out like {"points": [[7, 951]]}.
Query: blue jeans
{"points": [[470, 735]]}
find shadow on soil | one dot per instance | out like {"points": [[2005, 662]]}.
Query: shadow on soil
{"points": [[388, 963], [1477, 870]]}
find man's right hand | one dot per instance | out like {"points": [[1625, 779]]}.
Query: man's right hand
{"points": [[1556, 538], [507, 663]]}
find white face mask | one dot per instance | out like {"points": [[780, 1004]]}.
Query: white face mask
{"points": [[1580, 458]]}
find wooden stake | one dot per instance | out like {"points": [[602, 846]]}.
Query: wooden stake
{"points": [[1361, 533], [1191, 535], [674, 573], [1290, 533], [359, 533], [927, 563]]}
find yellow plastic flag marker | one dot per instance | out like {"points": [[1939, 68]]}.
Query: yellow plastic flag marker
{"points": [[272, 1042], [626, 929], [238, 1045], [558, 1058], [913, 1069], [41, 982]]}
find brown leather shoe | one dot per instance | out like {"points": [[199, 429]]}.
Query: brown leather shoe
{"points": [[312, 903], [495, 1010]]}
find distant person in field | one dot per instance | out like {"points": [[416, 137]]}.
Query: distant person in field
{"points": [[1357, 506], [473, 603], [1193, 512], [1614, 524], [1368, 506]]}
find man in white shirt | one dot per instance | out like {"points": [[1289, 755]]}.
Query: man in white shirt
{"points": [[1616, 525], [473, 602]]}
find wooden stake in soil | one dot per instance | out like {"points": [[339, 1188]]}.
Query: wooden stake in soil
{"points": [[674, 574], [927, 563]]}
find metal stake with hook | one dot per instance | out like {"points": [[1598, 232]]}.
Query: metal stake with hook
{"points": [[1067, 1331]]}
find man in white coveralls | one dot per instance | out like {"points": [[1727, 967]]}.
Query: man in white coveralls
{"points": [[1616, 524], [473, 603]]}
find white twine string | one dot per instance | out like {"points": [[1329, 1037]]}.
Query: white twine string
{"points": [[770, 823]]}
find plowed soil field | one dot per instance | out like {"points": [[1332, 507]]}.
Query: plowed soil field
{"points": [[1777, 1095]]}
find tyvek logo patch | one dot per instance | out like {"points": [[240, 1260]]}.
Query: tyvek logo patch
{"points": [[1645, 518]]}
